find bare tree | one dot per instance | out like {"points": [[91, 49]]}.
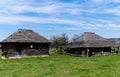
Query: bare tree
{"points": [[75, 36], [59, 40]]}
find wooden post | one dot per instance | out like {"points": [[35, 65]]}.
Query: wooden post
{"points": [[118, 50], [87, 52], [102, 52], [2, 49], [111, 50]]}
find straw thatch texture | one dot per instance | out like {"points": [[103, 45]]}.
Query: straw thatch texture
{"points": [[23, 35], [90, 40]]}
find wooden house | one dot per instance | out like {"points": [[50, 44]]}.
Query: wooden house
{"points": [[25, 43], [89, 44]]}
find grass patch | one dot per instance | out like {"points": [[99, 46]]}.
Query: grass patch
{"points": [[59, 65]]}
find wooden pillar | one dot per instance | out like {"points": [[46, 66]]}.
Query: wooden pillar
{"points": [[2, 47], [111, 50], [49, 49], [117, 52], [102, 51], [87, 52]]}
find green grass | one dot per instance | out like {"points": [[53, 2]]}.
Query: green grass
{"points": [[59, 65]]}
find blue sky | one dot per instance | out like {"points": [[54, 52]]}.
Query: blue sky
{"points": [[54, 17]]}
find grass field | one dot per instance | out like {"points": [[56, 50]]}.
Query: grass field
{"points": [[59, 65]]}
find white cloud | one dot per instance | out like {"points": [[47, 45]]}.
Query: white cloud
{"points": [[75, 23], [104, 1], [52, 27], [115, 0], [117, 26], [97, 1], [113, 11], [11, 13], [20, 19], [48, 7]]}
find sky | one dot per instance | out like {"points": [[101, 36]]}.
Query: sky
{"points": [[54, 17]]}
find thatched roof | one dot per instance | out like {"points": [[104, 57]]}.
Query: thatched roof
{"points": [[25, 36], [89, 39]]}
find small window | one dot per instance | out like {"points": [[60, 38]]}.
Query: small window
{"points": [[31, 46]]}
